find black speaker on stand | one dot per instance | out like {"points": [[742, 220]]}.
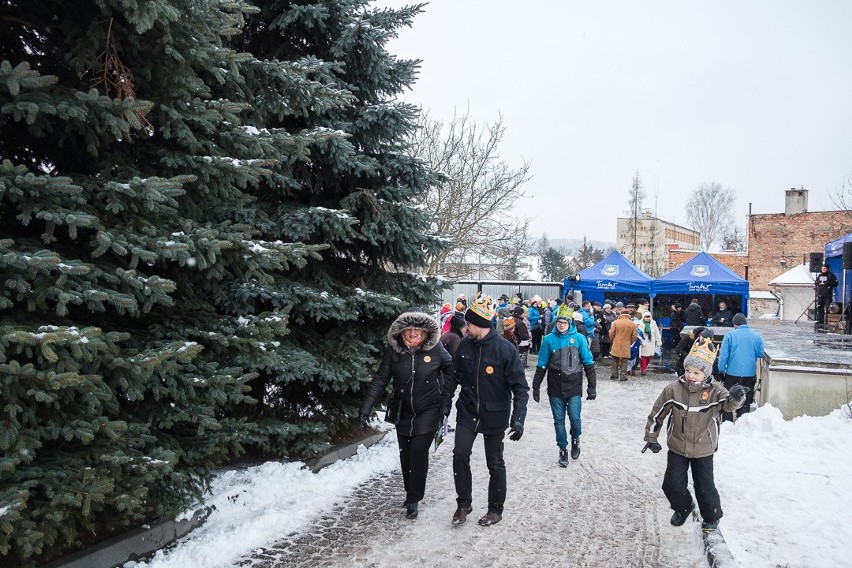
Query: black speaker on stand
{"points": [[815, 261], [847, 255]]}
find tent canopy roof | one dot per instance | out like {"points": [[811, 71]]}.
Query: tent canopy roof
{"points": [[613, 274], [702, 274]]}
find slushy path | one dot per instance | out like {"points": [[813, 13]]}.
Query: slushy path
{"points": [[604, 509]]}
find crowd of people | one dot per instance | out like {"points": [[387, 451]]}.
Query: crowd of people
{"points": [[481, 349]]}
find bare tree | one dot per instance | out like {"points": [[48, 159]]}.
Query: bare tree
{"points": [[652, 260], [842, 198], [635, 202], [475, 200], [734, 239], [710, 209], [511, 252]]}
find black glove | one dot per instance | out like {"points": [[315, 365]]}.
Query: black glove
{"points": [[537, 395], [738, 392], [653, 446], [591, 395], [362, 420], [516, 431]]}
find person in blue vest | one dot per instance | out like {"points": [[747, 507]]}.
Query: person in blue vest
{"points": [[741, 348], [564, 356]]}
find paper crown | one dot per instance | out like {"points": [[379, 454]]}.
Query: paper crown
{"points": [[565, 312], [508, 324], [702, 355], [481, 311]]}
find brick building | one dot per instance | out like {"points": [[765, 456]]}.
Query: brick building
{"points": [[736, 261], [779, 241]]}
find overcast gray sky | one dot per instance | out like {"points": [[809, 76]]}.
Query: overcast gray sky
{"points": [[754, 95]]}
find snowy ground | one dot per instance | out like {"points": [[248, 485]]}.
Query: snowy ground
{"points": [[786, 491]]}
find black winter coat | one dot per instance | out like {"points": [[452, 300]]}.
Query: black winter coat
{"points": [[676, 323], [418, 376], [681, 351], [494, 389], [694, 315]]}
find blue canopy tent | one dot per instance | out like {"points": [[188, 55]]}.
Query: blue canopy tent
{"points": [[703, 275], [612, 276], [834, 259]]}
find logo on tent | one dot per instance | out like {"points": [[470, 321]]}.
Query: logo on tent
{"points": [[610, 270], [699, 287], [604, 285], [700, 270]]}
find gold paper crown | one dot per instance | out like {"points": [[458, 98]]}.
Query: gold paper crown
{"points": [[483, 306], [704, 349]]}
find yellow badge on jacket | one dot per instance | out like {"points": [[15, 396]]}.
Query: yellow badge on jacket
{"points": [[489, 370], [705, 396], [426, 359]]}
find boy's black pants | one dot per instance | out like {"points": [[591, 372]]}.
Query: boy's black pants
{"points": [[677, 492]]}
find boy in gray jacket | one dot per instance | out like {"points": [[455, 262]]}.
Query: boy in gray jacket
{"points": [[694, 404]]}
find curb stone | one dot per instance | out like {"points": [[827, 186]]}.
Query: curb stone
{"points": [[718, 553], [140, 543], [715, 548]]}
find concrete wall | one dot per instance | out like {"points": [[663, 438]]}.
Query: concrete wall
{"points": [[800, 390]]}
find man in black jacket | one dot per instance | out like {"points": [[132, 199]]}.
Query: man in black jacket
{"points": [[825, 283], [693, 314], [493, 384]]}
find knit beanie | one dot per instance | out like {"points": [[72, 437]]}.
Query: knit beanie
{"points": [[702, 355], [457, 322], [518, 312], [481, 312], [738, 319]]}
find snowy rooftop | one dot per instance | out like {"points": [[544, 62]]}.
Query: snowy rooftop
{"points": [[797, 275]]}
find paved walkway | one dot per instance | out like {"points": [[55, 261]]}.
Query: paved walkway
{"points": [[605, 509]]}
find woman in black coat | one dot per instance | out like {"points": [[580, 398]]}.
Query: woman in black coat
{"points": [[417, 363], [683, 348]]}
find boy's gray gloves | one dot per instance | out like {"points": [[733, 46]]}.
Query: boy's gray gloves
{"points": [[738, 392]]}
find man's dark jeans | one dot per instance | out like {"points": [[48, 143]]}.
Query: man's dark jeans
{"points": [[496, 468]]}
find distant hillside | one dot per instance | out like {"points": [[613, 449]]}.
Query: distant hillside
{"points": [[571, 245]]}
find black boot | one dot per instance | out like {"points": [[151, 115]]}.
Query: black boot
{"points": [[680, 517], [411, 510], [563, 457], [575, 448]]}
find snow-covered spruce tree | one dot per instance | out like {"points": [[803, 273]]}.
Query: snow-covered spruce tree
{"points": [[155, 184], [353, 195]]}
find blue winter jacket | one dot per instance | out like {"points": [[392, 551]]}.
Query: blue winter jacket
{"points": [[564, 356], [589, 322], [534, 315], [740, 351]]}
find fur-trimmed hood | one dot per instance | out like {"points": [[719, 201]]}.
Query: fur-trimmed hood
{"points": [[419, 320]]}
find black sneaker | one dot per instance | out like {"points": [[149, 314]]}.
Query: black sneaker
{"points": [[680, 517], [411, 510], [563, 457], [710, 527], [575, 448]]}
